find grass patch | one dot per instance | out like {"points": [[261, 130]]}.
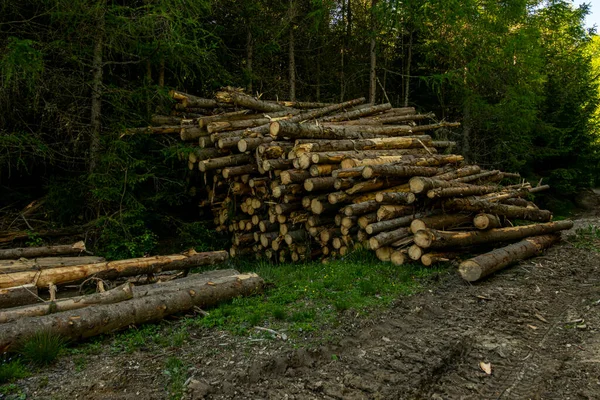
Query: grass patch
{"points": [[11, 370], [305, 297], [587, 238], [42, 348], [176, 372]]}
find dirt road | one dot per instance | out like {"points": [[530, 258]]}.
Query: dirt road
{"points": [[536, 323]]}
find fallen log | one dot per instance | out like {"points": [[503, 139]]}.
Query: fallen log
{"points": [[105, 318], [227, 161], [120, 293], [399, 171], [18, 296], [486, 221], [512, 212], [442, 221], [10, 266], [361, 112], [485, 264], [434, 239], [385, 238], [112, 269], [246, 101], [45, 251], [383, 226]]}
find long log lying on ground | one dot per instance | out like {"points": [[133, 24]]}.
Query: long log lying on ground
{"points": [[319, 112], [45, 251], [19, 295], [10, 266], [442, 221], [485, 264], [357, 113], [9, 236], [482, 206], [120, 293], [250, 102], [434, 239], [364, 144], [93, 321], [112, 269]]}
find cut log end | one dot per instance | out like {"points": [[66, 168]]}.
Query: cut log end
{"points": [[423, 238], [470, 271]]}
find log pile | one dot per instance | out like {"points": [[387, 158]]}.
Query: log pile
{"points": [[297, 181], [43, 292]]}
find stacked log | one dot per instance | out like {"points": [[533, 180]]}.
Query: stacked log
{"points": [[298, 183]]}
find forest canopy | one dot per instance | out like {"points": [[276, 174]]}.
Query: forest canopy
{"points": [[520, 75]]}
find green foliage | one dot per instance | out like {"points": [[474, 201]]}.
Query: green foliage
{"points": [[305, 297], [21, 65], [176, 372], [587, 238], [42, 348], [11, 369]]}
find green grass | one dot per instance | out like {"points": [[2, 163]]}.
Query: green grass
{"points": [[176, 372], [12, 369], [306, 297], [587, 238], [42, 348]]}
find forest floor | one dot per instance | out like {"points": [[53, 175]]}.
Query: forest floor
{"points": [[537, 324]]}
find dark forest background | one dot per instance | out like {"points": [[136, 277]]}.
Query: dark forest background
{"points": [[520, 75]]}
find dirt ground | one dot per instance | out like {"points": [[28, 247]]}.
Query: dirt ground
{"points": [[536, 323]]}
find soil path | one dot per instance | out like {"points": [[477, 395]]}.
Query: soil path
{"points": [[536, 324]]}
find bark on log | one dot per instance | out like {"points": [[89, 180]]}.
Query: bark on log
{"points": [[513, 212], [36, 264], [188, 100], [294, 176], [385, 238], [272, 165], [120, 293], [387, 212], [461, 191], [347, 173], [239, 170], [486, 221], [319, 183], [247, 144], [419, 184], [365, 144], [246, 101], [203, 154], [100, 319], [399, 171], [378, 227], [112, 269], [395, 198], [485, 264], [319, 112], [443, 222], [367, 219], [19, 296], [371, 185], [292, 130], [459, 173], [338, 156], [322, 169], [360, 208], [190, 133], [428, 161], [361, 112], [45, 251], [230, 116], [228, 161], [9, 236], [434, 239]]}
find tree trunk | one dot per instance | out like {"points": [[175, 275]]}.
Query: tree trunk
{"points": [[434, 239], [358, 113], [19, 296], [106, 318], [487, 221], [461, 191], [36, 264], [398, 171], [249, 57], [459, 173], [395, 198], [429, 161], [365, 144], [385, 238], [292, 61], [112, 269], [121, 293], [512, 212], [294, 176], [373, 54], [383, 226], [97, 86], [407, 74], [246, 101], [161, 73], [45, 251], [228, 161], [443, 221], [485, 264], [419, 184], [387, 212]]}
